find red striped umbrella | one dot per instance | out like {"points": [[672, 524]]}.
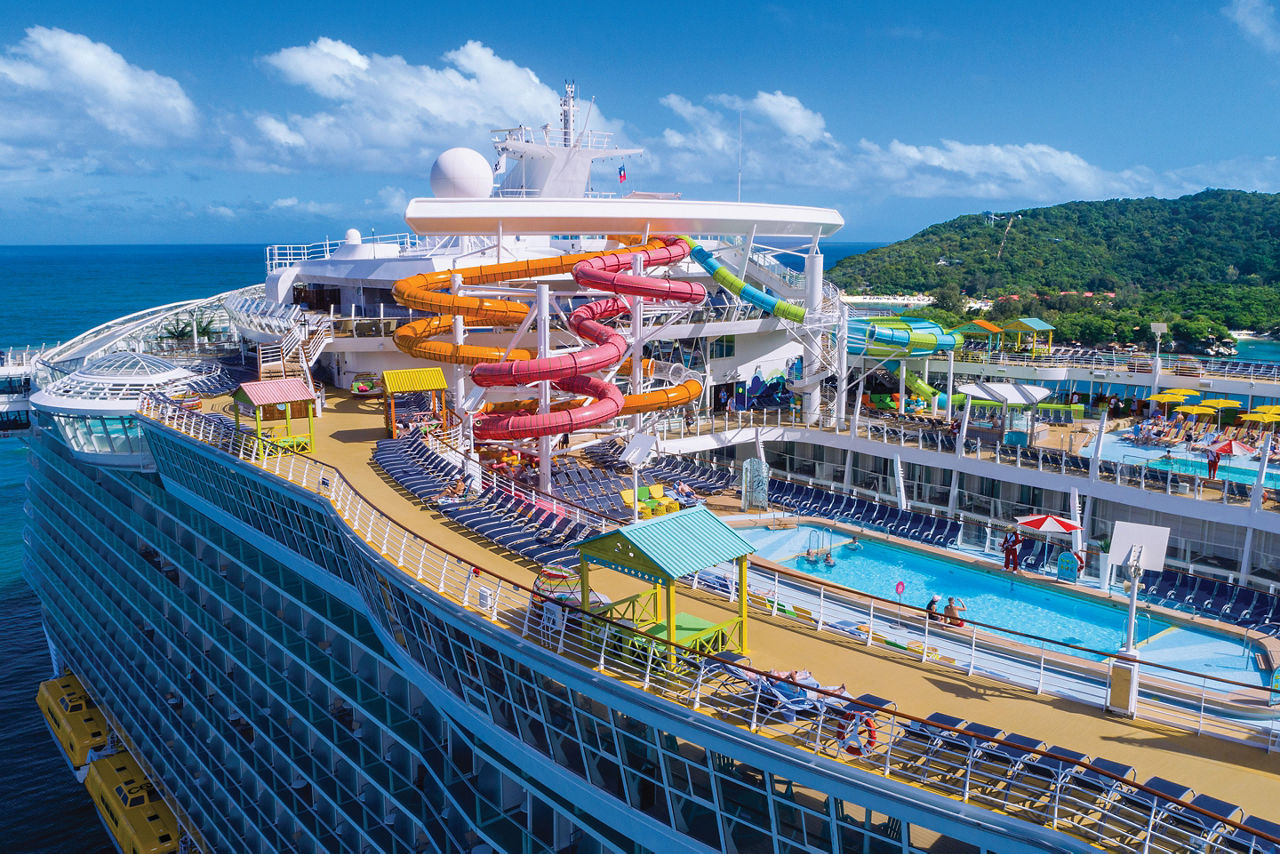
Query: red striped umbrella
{"points": [[1047, 524], [1232, 447]]}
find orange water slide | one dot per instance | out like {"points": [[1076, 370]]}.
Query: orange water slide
{"points": [[425, 292]]}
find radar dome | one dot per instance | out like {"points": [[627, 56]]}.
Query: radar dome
{"points": [[461, 173]]}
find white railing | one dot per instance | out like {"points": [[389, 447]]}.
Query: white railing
{"points": [[319, 336], [866, 733], [262, 315], [286, 254]]}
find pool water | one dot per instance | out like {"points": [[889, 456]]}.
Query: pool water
{"points": [[875, 567], [1201, 468], [1238, 469]]}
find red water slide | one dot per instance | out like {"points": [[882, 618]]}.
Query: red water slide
{"points": [[567, 372]]}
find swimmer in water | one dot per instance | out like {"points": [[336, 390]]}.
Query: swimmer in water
{"points": [[829, 560]]}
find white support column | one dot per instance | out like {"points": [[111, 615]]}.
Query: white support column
{"points": [[1096, 457], [637, 341], [964, 426], [1260, 482], [900, 482], [812, 356], [460, 371], [951, 379], [1077, 537], [954, 498], [544, 388], [857, 411], [746, 253], [842, 364], [902, 386], [1255, 505]]}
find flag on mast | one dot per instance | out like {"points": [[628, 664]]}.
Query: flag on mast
{"points": [[622, 174]]}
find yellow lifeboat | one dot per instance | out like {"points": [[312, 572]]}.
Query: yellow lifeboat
{"points": [[73, 718], [130, 806]]}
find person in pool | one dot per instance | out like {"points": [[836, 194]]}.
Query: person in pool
{"points": [[829, 560]]}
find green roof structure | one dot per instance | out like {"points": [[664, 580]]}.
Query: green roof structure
{"points": [[665, 548], [1028, 324], [659, 551]]}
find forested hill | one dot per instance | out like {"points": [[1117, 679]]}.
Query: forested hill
{"points": [[1213, 256]]}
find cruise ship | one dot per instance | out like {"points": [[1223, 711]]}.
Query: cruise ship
{"points": [[571, 521]]}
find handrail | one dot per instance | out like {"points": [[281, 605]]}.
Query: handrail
{"points": [[685, 687]]}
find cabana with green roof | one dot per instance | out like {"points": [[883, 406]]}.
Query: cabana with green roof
{"points": [[982, 329], [660, 551], [1033, 326]]}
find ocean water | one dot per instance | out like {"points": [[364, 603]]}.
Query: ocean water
{"points": [[1260, 349], [832, 253], [52, 293]]}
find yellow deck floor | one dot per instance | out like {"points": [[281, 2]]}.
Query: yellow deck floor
{"points": [[1244, 775]]}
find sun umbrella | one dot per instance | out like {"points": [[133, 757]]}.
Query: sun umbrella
{"points": [[1270, 408], [1232, 448], [1260, 417], [1047, 524], [1166, 398], [1195, 409], [1222, 403], [1182, 392]]}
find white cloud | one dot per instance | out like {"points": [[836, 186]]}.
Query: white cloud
{"points": [[53, 80], [806, 155], [387, 114], [278, 132], [1257, 19], [220, 211], [394, 200], [314, 208], [785, 112]]}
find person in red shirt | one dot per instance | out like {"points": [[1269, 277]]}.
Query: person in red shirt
{"points": [[1012, 540]]}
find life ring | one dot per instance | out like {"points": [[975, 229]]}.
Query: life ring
{"points": [[858, 734]]}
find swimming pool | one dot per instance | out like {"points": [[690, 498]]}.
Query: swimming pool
{"points": [[1182, 461], [1200, 467], [876, 567]]}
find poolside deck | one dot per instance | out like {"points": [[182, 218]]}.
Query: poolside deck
{"points": [[1250, 777]]}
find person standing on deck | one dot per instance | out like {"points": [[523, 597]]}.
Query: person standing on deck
{"points": [[1213, 457], [1012, 540]]}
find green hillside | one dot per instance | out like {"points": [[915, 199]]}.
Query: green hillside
{"points": [[1203, 263]]}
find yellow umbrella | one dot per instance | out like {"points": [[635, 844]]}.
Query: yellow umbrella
{"points": [[1261, 417], [1221, 403], [1195, 409], [1270, 408], [1164, 397], [1184, 392]]}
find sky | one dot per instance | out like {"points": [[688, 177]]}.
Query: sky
{"points": [[253, 122]]}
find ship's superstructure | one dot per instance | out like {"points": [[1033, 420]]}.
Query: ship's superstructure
{"points": [[297, 653]]}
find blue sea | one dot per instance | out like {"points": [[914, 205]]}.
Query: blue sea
{"points": [[50, 294], [1260, 349]]}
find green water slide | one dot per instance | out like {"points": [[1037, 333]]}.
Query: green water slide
{"points": [[747, 293]]}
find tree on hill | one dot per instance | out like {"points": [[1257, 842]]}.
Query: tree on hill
{"points": [[1210, 258]]}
